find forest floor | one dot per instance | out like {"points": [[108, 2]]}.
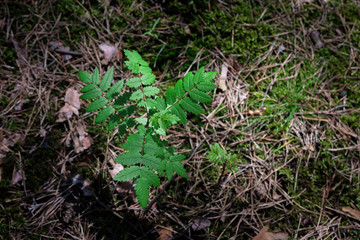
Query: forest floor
{"points": [[287, 110]]}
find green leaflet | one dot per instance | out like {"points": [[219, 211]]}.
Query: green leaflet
{"points": [[179, 89], [137, 95], [134, 67], [129, 158], [97, 104], [115, 90], [85, 77], [107, 79], [208, 77], [133, 82], [93, 93], [153, 162], [145, 70], [188, 81], [178, 111], [133, 56], [134, 143], [142, 191], [160, 104], [114, 121], [190, 106], [121, 100], [142, 120], [200, 96], [88, 87], [151, 177], [206, 86], [151, 91], [128, 174], [104, 114], [199, 75], [95, 78], [148, 78], [170, 96], [177, 158], [175, 167]]}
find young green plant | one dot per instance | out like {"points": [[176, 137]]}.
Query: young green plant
{"points": [[134, 106]]}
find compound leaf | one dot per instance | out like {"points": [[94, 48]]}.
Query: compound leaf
{"points": [[142, 191], [190, 106], [133, 82], [107, 79], [129, 158], [93, 93], [97, 104], [151, 91], [104, 114], [84, 76], [128, 174], [200, 96], [115, 90]]}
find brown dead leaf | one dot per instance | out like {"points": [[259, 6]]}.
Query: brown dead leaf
{"points": [[265, 235], [200, 223], [353, 212], [108, 50], [72, 105], [17, 176], [56, 45], [165, 233], [80, 138], [223, 76]]}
